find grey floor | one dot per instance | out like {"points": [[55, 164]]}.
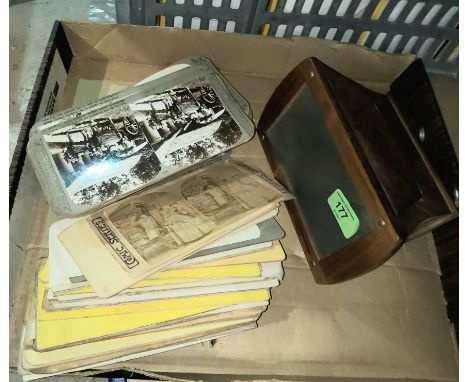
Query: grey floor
{"points": [[30, 26]]}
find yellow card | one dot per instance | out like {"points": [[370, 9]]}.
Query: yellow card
{"points": [[54, 329], [32, 359], [183, 275]]}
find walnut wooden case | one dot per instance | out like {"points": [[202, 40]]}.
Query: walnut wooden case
{"points": [[324, 133]]}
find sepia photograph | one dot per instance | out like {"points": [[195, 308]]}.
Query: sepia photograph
{"points": [[160, 222], [187, 211], [186, 124], [101, 158], [223, 192]]}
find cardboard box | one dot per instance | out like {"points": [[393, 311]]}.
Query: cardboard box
{"points": [[388, 324]]}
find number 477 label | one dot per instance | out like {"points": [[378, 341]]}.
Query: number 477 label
{"points": [[344, 213]]}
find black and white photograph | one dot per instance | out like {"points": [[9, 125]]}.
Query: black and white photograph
{"points": [[101, 158], [186, 124]]}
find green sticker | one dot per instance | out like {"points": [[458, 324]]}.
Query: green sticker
{"points": [[344, 213]]}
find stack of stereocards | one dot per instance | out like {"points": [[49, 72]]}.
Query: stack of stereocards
{"points": [[165, 241]]}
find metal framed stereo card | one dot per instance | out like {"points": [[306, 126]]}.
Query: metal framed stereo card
{"points": [[201, 61], [89, 156], [362, 182]]}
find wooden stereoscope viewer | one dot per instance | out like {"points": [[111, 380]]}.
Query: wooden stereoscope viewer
{"points": [[369, 170]]}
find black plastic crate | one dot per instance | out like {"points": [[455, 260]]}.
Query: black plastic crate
{"points": [[427, 28]]}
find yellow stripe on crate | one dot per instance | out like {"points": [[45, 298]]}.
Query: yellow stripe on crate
{"points": [[362, 38], [264, 29], [272, 4], [379, 9], [162, 20]]}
